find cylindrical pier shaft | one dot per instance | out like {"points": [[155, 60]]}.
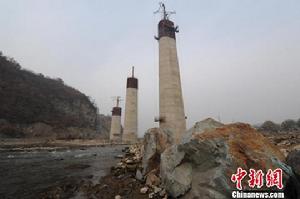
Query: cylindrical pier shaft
{"points": [[131, 111], [171, 107], [115, 128]]}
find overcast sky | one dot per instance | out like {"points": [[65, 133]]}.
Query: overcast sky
{"points": [[239, 60]]}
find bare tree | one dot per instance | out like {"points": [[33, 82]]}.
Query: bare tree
{"points": [[269, 126], [289, 125]]}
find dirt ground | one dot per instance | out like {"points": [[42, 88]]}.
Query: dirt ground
{"points": [[286, 141], [110, 186]]}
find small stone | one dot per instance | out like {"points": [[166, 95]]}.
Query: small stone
{"points": [[118, 197], [152, 179], [144, 190], [151, 195], [121, 176], [139, 175], [162, 192], [119, 156], [129, 161], [157, 189], [105, 186]]}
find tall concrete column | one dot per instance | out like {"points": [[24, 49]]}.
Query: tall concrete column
{"points": [[131, 111], [171, 107], [115, 128]]}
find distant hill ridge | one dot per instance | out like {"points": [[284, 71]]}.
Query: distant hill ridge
{"points": [[27, 98]]}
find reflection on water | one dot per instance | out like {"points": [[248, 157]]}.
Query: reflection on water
{"points": [[25, 174]]}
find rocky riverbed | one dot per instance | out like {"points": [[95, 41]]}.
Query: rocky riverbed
{"points": [[53, 172]]}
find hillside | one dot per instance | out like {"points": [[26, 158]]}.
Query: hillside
{"points": [[32, 105]]}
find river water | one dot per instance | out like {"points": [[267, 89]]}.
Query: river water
{"points": [[27, 173]]}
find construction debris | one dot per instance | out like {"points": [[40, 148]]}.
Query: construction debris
{"points": [[130, 166]]}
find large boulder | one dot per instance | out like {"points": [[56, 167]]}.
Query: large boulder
{"points": [[204, 125], [156, 140], [293, 160], [202, 164], [176, 177], [199, 127]]}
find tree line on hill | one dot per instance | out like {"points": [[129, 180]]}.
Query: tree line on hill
{"points": [[31, 101], [288, 125]]}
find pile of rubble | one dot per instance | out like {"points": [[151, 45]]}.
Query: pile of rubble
{"points": [[286, 141], [131, 165]]}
